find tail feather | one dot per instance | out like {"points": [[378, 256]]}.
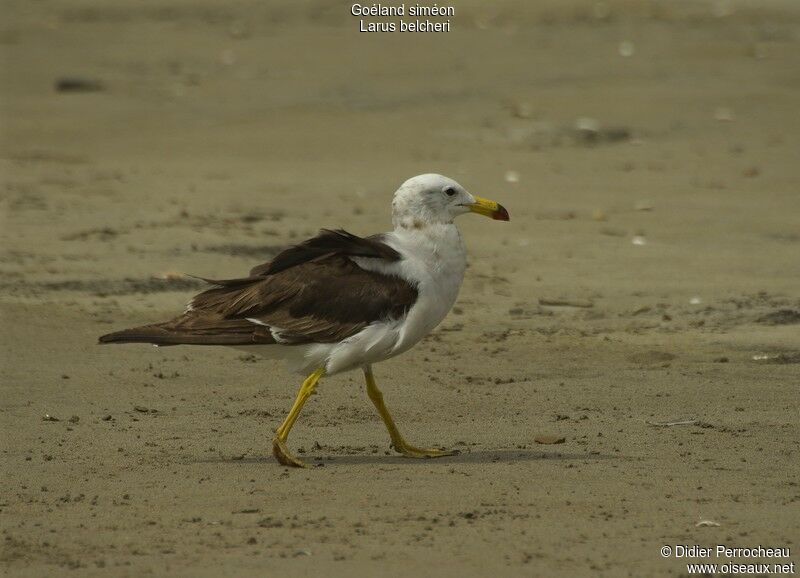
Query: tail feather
{"points": [[228, 332], [144, 334]]}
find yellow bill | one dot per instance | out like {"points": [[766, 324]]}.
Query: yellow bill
{"points": [[489, 209]]}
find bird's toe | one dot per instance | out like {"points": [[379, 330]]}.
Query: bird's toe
{"points": [[283, 456]]}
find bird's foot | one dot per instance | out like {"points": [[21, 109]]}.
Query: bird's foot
{"points": [[282, 454], [414, 452]]}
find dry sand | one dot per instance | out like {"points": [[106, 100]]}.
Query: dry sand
{"points": [[664, 234]]}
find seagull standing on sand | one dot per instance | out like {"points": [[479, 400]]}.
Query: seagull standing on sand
{"points": [[338, 302]]}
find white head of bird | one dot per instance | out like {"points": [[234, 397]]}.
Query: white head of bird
{"points": [[435, 199]]}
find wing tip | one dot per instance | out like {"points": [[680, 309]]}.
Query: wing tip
{"points": [[144, 334]]}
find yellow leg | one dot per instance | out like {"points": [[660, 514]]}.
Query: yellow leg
{"points": [[400, 445], [282, 433]]}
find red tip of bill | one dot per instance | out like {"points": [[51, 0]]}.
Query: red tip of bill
{"points": [[501, 214]]}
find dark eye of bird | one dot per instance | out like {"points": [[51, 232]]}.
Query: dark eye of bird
{"points": [[449, 191]]}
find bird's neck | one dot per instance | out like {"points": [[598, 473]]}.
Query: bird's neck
{"points": [[434, 232], [418, 217], [438, 243]]}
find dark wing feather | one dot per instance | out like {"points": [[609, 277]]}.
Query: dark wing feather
{"points": [[323, 300], [324, 245], [310, 293], [189, 329]]}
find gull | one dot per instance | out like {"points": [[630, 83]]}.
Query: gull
{"points": [[338, 302]]}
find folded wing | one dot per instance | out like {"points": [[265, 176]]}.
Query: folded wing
{"points": [[310, 293]]}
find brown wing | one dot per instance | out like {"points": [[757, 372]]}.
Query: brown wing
{"points": [[311, 293], [328, 243]]}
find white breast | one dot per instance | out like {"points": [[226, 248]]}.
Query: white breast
{"points": [[434, 260]]}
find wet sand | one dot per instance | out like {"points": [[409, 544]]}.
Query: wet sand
{"points": [[647, 154]]}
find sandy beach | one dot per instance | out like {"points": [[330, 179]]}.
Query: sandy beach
{"points": [[643, 303]]}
